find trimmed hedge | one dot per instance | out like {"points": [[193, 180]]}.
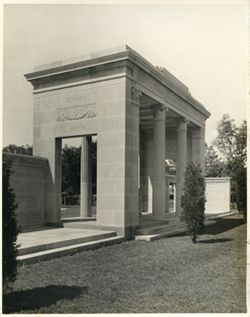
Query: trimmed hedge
{"points": [[10, 229]]}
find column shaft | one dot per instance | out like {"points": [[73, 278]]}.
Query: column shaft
{"points": [[181, 162], [86, 182], [167, 195], [198, 146], [159, 181]]}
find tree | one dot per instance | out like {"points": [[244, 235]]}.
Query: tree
{"points": [[10, 229], [71, 156], [19, 149], [214, 166], [193, 200], [241, 144], [230, 144], [225, 140], [240, 169]]}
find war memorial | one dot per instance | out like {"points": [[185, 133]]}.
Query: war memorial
{"points": [[140, 114]]}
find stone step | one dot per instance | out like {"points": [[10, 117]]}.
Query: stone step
{"points": [[64, 243], [78, 219], [81, 225], [160, 229], [152, 237], [152, 223], [68, 250], [169, 230]]}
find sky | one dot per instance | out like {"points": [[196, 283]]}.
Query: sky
{"points": [[203, 44]]}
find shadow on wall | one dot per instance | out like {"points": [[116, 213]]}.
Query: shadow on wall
{"points": [[39, 297]]}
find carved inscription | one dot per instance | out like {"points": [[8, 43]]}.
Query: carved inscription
{"points": [[76, 113], [74, 128], [78, 98]]}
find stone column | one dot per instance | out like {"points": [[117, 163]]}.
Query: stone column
{"points": [[147, 171], [86, 183], [140, 171], [167, 194], [181, 161], [174, 207], [198, 146], [159, 180]]}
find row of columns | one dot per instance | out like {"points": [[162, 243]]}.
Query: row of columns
{"points": [[160, 187]]}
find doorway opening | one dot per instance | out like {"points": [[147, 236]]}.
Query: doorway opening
{"points": [[75, 171]]}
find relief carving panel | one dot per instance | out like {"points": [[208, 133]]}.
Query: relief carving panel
{"points": [[76, 113]]}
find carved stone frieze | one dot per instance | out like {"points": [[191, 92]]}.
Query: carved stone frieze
{"points": [[76, 113]]}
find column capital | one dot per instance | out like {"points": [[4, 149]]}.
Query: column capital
{"points": [[159, 111], [180, 120], [198, 131], [158, 106], [182, 123]]}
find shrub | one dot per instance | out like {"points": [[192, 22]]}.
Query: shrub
{"points": [[193, 200], [241, 190], [10, 230]]}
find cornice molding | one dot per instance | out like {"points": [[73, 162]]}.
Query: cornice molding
{"points": [[113, 56]]}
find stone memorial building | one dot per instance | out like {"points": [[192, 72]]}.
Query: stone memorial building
{"points": [[141, 115]]}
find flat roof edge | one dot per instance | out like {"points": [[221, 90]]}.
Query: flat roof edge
{"points": [[112, 55], [83, 58]]}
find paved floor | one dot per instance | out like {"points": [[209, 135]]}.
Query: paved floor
{"points": [[51, 235], [30, 239]]}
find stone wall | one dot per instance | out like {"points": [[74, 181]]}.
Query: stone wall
{"points": [[218, 195], [28, 181]]}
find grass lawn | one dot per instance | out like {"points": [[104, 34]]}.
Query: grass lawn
{"points": [[165, 276]]}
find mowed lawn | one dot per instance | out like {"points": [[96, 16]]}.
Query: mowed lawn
{"points": [[165, 276]]}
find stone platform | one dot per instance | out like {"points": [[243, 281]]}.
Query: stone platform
{"points": [[50, 243], [150, 229]]}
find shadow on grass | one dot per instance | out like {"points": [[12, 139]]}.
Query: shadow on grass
{"points": [[218, 225], [39, 297], [219, 240], [222, 225]]}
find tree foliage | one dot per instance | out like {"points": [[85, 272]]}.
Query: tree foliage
{"points": [[71, 156], [10, 229], [227, 157], [226, 137], [193, 200], [19, 149], [231, 143], [71, 168], [214, 165]]}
